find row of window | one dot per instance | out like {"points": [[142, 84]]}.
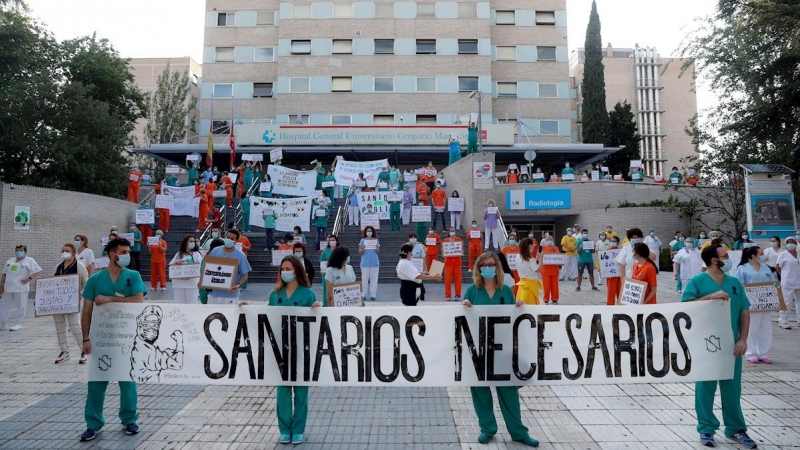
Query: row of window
{"points": [[386, 11]]}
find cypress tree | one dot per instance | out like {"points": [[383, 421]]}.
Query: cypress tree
{"points": [[594, 117]]}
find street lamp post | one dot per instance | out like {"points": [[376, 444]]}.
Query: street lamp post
{"points": [[478, 95]]}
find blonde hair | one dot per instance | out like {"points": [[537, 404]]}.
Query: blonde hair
{"points": [[477, 279]]}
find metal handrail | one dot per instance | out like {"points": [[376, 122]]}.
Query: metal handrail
{"points": [[338, 224], [207, 232], [502, 226], [150, 195], [239, 211]]}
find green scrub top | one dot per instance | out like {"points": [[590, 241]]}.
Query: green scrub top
{"points": [[478, 296], [321, 221], [192, 176], [326, 254], [585, 256], [702, 285], [128, 284], [136, 245], [269, 220], [302, 296], [394, 207]]}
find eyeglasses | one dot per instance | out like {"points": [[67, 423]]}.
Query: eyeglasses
{"points": [[488, 265]]}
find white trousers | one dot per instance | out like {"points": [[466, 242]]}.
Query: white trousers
{"points": [[790, 296], [61, 321], [186, 296], [759, 339], [570, 269], [406, 215], [455, 219], [214, 300], [495, 239], [353, 215], [369, 281], [12, 300]]}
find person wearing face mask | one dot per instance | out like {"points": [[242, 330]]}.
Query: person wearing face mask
{"points": [[512, 249], [419, 248], [216, 235], [569, 245], [245, 205], [162, 213], [383, 179], [626, 258], [452, 268], [423, 190], [714, 284], [185, 289], [644, 269], [229, 250], [158, 263], [610, 232], [292, 289], [429, 175], [203, 209], [216, 217], [116, 284], [711, 236], [585, 259], [352, 206], [369, 247], [602, 244], [324, 258], [687, 262], [69, 266], [84, 253], [475, 248], [134, 184], [408, 203], [488, 289], [455, 148], [490, 224], [636, 174], [321, 215], [339, 272], [227, 184], [538, 176], [788, 266], [394, 178], [743, 241], [395, 209], [298, 235], [432, 241], [330, 190], [614, 283], [411, 288], [773, 251], [753, 269], [567, 173], [528, 268], [439, 198], [653, 243], [299, 251], [549, 272], [702, 239]]}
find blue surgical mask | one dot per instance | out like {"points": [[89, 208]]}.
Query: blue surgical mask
{"points": [[19, 254], [78, 244], [762, 258], [474, 225], [690, 245], [369, 233], [412, 241], [614, 245], [287, 276], [229, 243], [190, 245], [488, 272], [634, 241], [726, 265], [745, 237], [214, 235], [299, 254], [791, 246], [681, 238], [123, 260], [773, 244], [702, 236], [512, 242]]}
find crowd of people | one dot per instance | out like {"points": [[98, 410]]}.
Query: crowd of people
{"points": [[525, 174]]}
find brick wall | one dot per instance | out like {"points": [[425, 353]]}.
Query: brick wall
{"points": [[56, 217]]}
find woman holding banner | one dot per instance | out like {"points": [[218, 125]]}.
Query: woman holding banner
{"points": [[369, 247], [70, 266], [411, 278], [644, 269], [339, 272], [185, 289], [753, 269], [488, 289], [292, 289]]}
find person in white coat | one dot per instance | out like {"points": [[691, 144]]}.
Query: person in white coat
{"points": [[653, 243], [752, 269], [773, 251], [185, 289], [788, 266], [15, 284], [603, 243], [687, 262]]}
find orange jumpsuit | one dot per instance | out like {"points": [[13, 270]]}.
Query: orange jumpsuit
{"points": [[158, 264], [163, 214], [646, 272], [197, 188], [439, 197], [432, 251], [508, 250], [613, 285], [228, 190], [550, 276], [133, 186], [240, 180], [245, 244], [202, 211], [422, 193], [512, 178], [475, 246], [452, 270]]}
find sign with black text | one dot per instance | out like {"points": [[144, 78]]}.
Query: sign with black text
{"points": [[632, 292], [218, 273], [57, 295], [764, 296], [181, 271], [346, 294]]}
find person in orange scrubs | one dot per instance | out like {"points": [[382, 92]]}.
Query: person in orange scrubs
{"points": [[163, 214], [549, 272], [452, 268], [422, 192], [613, 284], [227, 183], [202, 211], [134, 183], [475, 247], [432, 242], [158, 263], [644, 269], [439, 198]]}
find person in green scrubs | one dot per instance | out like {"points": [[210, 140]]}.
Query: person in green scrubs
{"points": [[715, 284], [333, 242], [422, 227], [567, 170], [488, 289], [394, 211], [292, 289], [121, 285], [192, 170]]}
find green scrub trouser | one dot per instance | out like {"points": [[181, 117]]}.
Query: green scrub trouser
{"points": [[204, 296], [731, 392], [472, 147], [454, 157], [394, 220], [292, 420], [508, 397], [96, 396], [246, 222]]}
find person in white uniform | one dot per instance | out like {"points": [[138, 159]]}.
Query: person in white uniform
{"points": [[752, 269], [773, 251], [15, 284], [653, 243], [603, 243], [688, 262], [185, 289], [788, 266]]}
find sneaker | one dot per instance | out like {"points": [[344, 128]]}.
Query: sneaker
{"points": [[372, 299], [82, 359], [285, 438], [707, 439], [152, 289], [16, 327], [527, 440], [484, 438], [785, 325], [163, 289], [744, 440], [754, 360], [555, 302], [63, 356], [594, 288], [297, 439], [131, 428], [578, 289], [88, 435], [765, 360]]}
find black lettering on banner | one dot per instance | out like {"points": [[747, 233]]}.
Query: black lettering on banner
{"points": [[624, 346], [368, 348], [648, 324], [410, 324], [383, 320], [515, 355], [574, 345], [207, 359], [542, 320], [306, 320], [478, 356], [325, 348], [642, 342], [242, 345], [682, 342], [597, 340], [281, 354], [491, 347], [292, 347], [352, 349]]}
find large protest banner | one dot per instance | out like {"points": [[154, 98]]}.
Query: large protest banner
{"points": [[347, 171], [184, 202], [379, 202], [291, 212], [297, 183], [397, 346]]}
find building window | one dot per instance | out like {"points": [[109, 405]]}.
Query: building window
{"points": [[426, 84], [506, 53], [301, 11], [220, 127], [223, 90], [265, 17], [506, 89], [384, 10], [301, 47], [301, 119], [341, 84], [264, 54], [342, 46], [426, 46], [261, 90], [384, 46], [548, 90], [548, 127], [225, 19], [467, 46], [467, 84], [467, 10], [383, 119], [342, 10], [301, 84], [546, 53], [505, 18], [384, 84], [224, 54], [426, 10], [545, 18], [426, 119], [340, 120]]}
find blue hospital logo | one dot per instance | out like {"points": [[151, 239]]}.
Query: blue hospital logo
{"points": [[268, 136]]}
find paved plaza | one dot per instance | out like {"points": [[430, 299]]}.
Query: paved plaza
{"points": [[41, 403]]}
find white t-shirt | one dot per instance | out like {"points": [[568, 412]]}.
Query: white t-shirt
{"points": [[602, 245], [193, 258], [86, 257], [690, 261], [527, 269], [339, 276], [790, 271], [654, 244], [16, 271], [772, 255], [625, 257], [407, 271]]}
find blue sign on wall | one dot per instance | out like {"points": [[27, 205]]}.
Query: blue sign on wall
{"points": [[539, 199]]}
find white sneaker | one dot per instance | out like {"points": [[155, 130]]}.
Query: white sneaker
{"points": [[785, 325], [162, 289], [152, 289], [16, 327]]}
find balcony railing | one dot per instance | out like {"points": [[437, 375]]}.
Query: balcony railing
{"points": [[651, 107], [650, 83]]}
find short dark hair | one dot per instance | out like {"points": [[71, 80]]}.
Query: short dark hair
{"points": [[631, 232], [115, 243], [710, 253], [235, 232]]}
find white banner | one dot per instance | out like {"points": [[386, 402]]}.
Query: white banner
{"points": [[297, 183], [399, 346], [421, 213], [182, 271], [455, 204], [275, 155], [165, 201], [145, 216], [184, 202], [379, 202], [347, 171], [608, 263], [57, 295], [291, 212]]}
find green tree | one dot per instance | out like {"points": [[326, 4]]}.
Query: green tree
{"points": [[622, 132], [168, 107], [594, 117]]}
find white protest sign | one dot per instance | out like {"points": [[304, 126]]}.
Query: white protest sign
{"points": [[275, 155], [675, 180], [328, 184], [233, 176], [636, 163], [474, 234], [239, 246], [371, 220], [220, 193], [382, 185], [172, 170], [286, 181], [419, 264], [554, 259], [409, 177], [57, 295], [636, 176], [346, 294], [617, 177], [632, 292], [278, 255], [595, 175], [193, 157], [430, 241], [347, 171], [538, 176], [588, 244], [145, 216], [291, 212], [568, 177], [513, 260], [421, 213], [608, 263], [153, 240], [218, 273], [398, 197], [185, 201], [323, 266], [455, 204], [764, 296], [165, 201], [491, 210], [133, 177], [370, 244], [378, 201], [179, 271], [265, 186], [253, 157], [604, 169], [101, 262], [128, 236], [452, 248]]}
